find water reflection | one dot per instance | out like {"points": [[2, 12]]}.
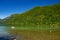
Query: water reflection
{"points": [[4, 35], [3, 31]]}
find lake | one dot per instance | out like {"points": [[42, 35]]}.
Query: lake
{"points": [[22, 33], [3, 30], [4, 34]]}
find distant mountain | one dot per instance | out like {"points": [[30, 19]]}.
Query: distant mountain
{"points": [[0, 21], [38, 16]]}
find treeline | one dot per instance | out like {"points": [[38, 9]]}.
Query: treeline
{"points": [[38, 16]]}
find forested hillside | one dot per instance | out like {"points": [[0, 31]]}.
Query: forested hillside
{"points": [[37, 16], [0, 21]]}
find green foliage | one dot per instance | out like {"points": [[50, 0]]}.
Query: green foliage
{"points": [[38, 16]]}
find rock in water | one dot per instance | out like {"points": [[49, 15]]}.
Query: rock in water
{"points": [[7, 37], [50, 30], [12, 27]]}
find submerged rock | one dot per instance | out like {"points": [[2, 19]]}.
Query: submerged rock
{"points": [[7, 37]]}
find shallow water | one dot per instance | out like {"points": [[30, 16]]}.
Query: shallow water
{"points": [[4, 34], [3, 31]]}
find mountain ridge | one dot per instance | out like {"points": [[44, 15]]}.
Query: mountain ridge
{"points": [[46, 15]]}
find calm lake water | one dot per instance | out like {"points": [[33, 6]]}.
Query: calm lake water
{"points": [[3, 31], [5, 34]]}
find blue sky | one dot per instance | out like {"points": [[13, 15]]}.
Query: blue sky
{"points": [[8, 7]]}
